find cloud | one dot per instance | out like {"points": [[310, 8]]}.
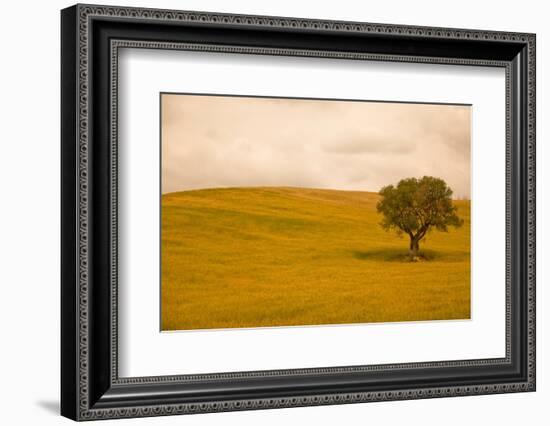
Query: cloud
{"points": [[365, 145], [221, 141]]}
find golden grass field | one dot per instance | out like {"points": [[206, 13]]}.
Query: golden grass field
{"points": [[255, 257]]}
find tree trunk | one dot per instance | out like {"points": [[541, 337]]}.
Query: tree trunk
{"points": [[414, 247]]}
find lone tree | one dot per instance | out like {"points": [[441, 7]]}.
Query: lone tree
{"points": [[415, 206]]}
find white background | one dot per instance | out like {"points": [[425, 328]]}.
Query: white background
{"points": [[29, 225], [146, 352]]}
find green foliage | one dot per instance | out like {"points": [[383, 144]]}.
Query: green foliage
{"points": [[415, 206]]}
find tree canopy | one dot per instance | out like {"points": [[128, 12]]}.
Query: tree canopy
{"points": [[415, 206]]}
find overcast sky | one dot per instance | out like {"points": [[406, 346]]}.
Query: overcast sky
{"points": [[222, 141]]}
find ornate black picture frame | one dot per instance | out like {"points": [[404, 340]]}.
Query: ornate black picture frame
{"points": [[91, 387]]}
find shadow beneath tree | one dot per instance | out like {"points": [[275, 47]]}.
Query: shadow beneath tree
{"points": [[400, 255]]}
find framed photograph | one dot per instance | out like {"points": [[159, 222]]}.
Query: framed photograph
{"points": [[263, 212]]}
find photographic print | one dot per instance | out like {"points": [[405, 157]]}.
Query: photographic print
{"points": [[301, 212]]}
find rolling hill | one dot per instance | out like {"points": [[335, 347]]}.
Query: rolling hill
{"points": [[276, 256]]}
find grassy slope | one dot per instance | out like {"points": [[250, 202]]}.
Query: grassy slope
{"points": [[249, 257]]}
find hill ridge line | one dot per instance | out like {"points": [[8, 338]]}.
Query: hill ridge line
{"points": [[295, 188]]}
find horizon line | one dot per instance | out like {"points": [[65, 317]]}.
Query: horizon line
{"points": [[461, 198]]}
